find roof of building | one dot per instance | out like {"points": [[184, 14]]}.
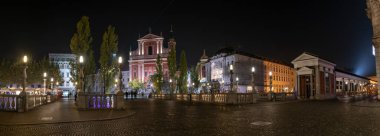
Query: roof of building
{"points": [[151, 36], [318, 57], [231, 51], [349, 73]]}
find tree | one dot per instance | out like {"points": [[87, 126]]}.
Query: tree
{"points": [[157, 78], [172, 64], [107, 59], [195, 76], [81, 44], [183, 73], [136, 85]]}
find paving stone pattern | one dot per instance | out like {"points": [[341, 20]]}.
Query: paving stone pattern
{"points": [[166, 118]]}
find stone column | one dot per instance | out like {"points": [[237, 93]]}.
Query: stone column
{"points": [[311, 77], [376, 42], [317, 83], [298, 87]]}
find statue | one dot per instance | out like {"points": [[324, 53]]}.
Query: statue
{"points": [[373, 13]]}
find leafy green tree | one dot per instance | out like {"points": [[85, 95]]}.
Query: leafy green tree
{"points": [[157, 78], [81, 44], [172, 64], [195, 76], [107, 61], [136, 85], [183, 73]]}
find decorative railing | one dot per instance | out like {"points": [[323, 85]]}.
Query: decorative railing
{"points": [[9, 102], [220, 98], [36, 100], [244, 98], [22, 104], [101, 101]]}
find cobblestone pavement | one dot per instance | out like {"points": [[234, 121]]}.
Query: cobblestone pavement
{"points": [[155, 117]]}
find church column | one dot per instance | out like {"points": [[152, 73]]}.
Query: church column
{"points": [[143, 73], [158, 48], [142, 48]]}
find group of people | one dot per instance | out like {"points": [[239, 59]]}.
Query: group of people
{"points": [[133, 94]]}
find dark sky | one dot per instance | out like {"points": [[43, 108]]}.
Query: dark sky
{"points": [[337, 30]]}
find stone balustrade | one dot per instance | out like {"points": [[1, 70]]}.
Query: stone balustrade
{"points": [[220, 98], [23, 103], [90, 101]]}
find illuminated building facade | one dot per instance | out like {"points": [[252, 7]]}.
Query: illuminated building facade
{"points": [[217, 69], [320, 79], [142, 61], [63, 62]]}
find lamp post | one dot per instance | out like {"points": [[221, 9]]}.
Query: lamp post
{"points": [[45, 74], [253, 80], [52, 84], [231, 79], [81, 74], [346, 88], [192, 88], [222, 85], [25, 60], [120, 61], [237, 84], [270, 85], [56, 85]]}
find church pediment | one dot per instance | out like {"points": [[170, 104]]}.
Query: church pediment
{"points": [[151, 36]]}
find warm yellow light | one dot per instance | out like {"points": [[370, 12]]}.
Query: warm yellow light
{"points": [[253, 69], [81, 59], [170, 80], [52, 79], [45, 74], [270, 73], [57, 83], [116, 80], [25, 59], [231, 67], [237, 78], [120, 60]]}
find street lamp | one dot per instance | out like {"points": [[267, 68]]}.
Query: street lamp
{"points": [[237, 84], [25, 60], [270, 84], [253, 80], [120, 60], [45, 74], [81, 74], [52, 84], [231, 79], [222, 85]]}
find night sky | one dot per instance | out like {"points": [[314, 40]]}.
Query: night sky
{"points": [[337, 30]]}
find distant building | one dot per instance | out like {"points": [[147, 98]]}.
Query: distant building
{"points": [[125, 78], [318, 78], [63, 62], [142, 61], [217, 69]]}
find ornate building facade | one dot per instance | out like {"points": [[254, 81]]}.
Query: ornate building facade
{"points": [[63, 62], [319, 79], [142, 61], [217, 69]]}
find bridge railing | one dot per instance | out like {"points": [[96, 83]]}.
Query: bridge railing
{"points": [[19, 103]]}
